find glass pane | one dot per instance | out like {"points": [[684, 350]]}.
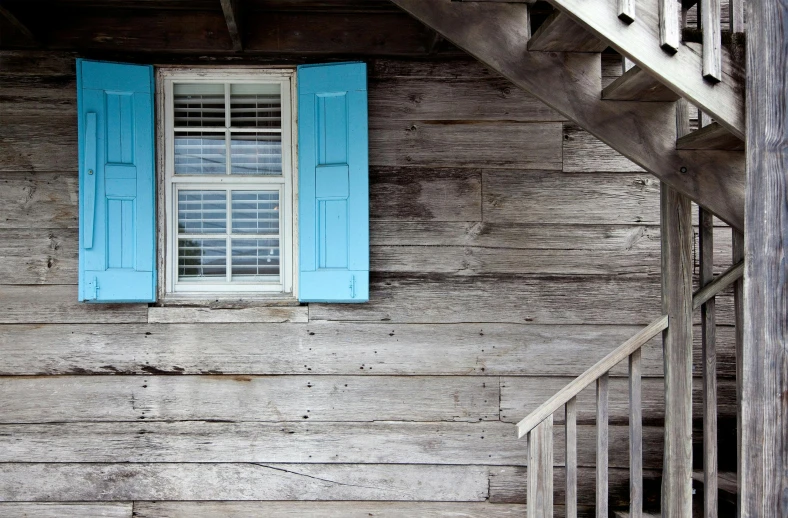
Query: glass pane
{"points": [[199, 105], [253, 258], [200, 153], [202, 259], [202, 212], [255, 106], [256, 153], [255, 212]]}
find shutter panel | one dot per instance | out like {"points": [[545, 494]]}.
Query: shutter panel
{"points": [[333, 196], [116, 182]]}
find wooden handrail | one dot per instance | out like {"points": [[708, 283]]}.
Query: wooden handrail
{"points": [[713, 288], [601, 367]]}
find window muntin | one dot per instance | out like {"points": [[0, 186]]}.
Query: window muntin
{"points": [[228, 187]]}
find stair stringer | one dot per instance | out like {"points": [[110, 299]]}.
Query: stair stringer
{"points": [[645, 132]]}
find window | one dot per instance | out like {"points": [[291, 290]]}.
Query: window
{"points": [[228, 181]]}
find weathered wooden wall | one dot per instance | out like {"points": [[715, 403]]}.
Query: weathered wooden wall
{"points": [[510, 251]]}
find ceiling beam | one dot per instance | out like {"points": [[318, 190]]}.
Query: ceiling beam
{"points": [[496, 34], [230, 10]]}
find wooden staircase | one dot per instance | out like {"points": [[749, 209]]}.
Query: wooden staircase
{"points": [[637, 115], [644, 115]]}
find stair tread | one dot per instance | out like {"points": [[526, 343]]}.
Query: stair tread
{"points": [[559, 33], [713, 136], [638, 85]]}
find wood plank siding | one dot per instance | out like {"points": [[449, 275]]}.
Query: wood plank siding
{"points": [[510, 251]]}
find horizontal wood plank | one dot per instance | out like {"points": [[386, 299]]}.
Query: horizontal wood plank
{"points": [[65, 510], [247, 481], [457, 144], [327, 509], [50, 304], [262, 314], [40, 200], [248, 398], [481, 443], [584, 153], [39, 256], [326, 348]]}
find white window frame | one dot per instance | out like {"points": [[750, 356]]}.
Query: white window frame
{"points": [[170, 184]]}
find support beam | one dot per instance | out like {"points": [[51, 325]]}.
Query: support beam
{"points": [[559, 33], [677, 238], [230, 10], [765, 350], [570, 83], [19, 26]]}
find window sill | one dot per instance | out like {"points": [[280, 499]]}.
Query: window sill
{"points": [[228, 309]]}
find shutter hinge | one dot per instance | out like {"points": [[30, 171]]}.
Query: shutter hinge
{"points": [[93, 288], [352, 286]]}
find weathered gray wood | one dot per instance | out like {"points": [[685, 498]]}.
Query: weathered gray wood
{"points": [[231, 18], [552, 198], [540, 474], [737, 254], [714, 287], [635, 434], [522, 395], [584, 153], [669, 26], [601, 368], [416, 193], [329, 348], [166, 481], [455, 98], [711, 136], [711, 20], [45, 399], [765, 348], [481, 443], [570, 457], [637, 85], [570, 83], [39, 256], [559, 33], [40, 200], [455, 144], [55, 136], [626, 10], [736, 16], [506, 486], [677, 235], [682, 118], [65, 510], [327, 509], [175, 315], [602, 438], [58, 304], [708, 329]]}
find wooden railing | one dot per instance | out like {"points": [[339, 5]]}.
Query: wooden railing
{"points": [[538, 425]]}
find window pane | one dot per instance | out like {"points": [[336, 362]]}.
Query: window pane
{"points": [[255, 106], [199, 105], [202, 259], [202, 212], [253, 258], [200, 153], [256, 153], [255, 212]]}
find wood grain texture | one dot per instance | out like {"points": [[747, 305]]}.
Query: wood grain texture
{"points": [[765, 349], [711, 136], [39, 256], [540, 474], [65, 510], [584, 153], [480, 144], [386, 442], [637, 85], [737, 254], [232, 19], [247, 481], [602, 446], [636, 434], [711, 21], [40, 200], [327, 348], [677, 344], [184, 315], [326, 509], [44, 399], [559, 33], [50, 304], [570, 457], [571, 83]]}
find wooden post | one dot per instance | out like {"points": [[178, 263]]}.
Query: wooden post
{"points": [[571, 457], [709, 355], [677, 238], [539, 502], [635, 436], [738, 310], [602, 436], [765, 349]]}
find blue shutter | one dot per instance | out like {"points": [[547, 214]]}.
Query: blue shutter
{"points": [[333, 183], [116, 183]]}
